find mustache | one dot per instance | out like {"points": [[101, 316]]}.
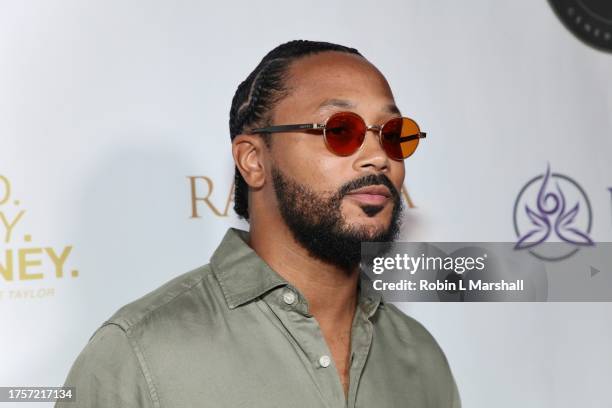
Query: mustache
{"points": [[369, 180]]}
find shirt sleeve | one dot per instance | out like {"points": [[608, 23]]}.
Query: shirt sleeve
{"points": [[442, 378], [455, 399], [107, 373]]}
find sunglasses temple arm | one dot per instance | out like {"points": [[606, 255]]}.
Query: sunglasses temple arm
{"points": [[419, 135], [287, 128]]}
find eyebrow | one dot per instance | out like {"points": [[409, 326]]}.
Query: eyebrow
{"points": [[346, 104]]}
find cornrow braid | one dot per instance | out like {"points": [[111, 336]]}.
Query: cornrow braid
{"points": [[257, 95]]}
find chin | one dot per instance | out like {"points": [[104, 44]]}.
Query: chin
{"points": [[369, 227]]}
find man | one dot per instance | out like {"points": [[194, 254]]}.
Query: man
{"points": [[282, 316]]}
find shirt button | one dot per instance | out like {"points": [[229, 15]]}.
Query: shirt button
{"points": [[289, 297], [324, 361]]}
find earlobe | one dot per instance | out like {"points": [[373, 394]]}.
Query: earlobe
{"points": [[247, 151]]}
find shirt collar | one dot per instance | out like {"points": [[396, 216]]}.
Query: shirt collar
{"points": [[243, 275], [369, 298]]}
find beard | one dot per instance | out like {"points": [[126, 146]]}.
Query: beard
{"points": [[316, 221]]}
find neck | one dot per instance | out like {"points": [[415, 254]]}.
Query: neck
{"points": [[331, 291]]}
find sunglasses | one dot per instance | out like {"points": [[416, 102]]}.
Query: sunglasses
{"points": [[344, 134]]}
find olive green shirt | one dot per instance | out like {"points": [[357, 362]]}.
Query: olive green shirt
{"points": [[235, 334]]}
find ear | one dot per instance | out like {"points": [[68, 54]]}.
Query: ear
{"points": [[248, 152]]}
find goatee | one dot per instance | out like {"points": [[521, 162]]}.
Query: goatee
{"points": [[316, 220]]}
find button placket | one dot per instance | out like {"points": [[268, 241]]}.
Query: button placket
{"points": [[305, 330], [362, 334]]}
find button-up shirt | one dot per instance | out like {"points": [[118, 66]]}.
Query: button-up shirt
{"points": [[234, 334]]}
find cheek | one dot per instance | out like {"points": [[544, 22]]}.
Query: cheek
{"points": [[396, 174], [310, 164], [332, 171], [307, 160]]}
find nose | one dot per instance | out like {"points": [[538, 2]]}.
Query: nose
{"points": [[371, 156]]}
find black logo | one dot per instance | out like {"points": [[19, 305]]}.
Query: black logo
{"points": [[589, 20]]}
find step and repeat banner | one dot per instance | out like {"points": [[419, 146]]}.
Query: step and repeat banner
{"points": [[116, 171]]}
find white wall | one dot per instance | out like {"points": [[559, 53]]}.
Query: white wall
{"points": [[107, 107]]}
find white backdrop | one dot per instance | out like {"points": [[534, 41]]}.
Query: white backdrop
{"points": [[108, 108]]}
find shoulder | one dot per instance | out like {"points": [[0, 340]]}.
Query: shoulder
{"points": [[114, 354], [409, 328], [413, 335], [433, 364], [173, 297], [107, 372]]}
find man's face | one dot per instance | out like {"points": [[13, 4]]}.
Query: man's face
{"points": [[332, 203]]}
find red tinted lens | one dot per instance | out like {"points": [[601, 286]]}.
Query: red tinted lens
{"points": [[344, 133], [399, 137]]}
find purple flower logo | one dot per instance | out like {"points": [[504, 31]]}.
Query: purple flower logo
{"points": [[552, 207]]}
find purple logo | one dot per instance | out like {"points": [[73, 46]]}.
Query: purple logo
{"points": [[552, 208]]}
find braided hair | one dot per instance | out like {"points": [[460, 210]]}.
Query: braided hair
{"points": [[257, 95]]}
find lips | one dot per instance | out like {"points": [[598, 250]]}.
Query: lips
{"points": [[372, 195]]}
